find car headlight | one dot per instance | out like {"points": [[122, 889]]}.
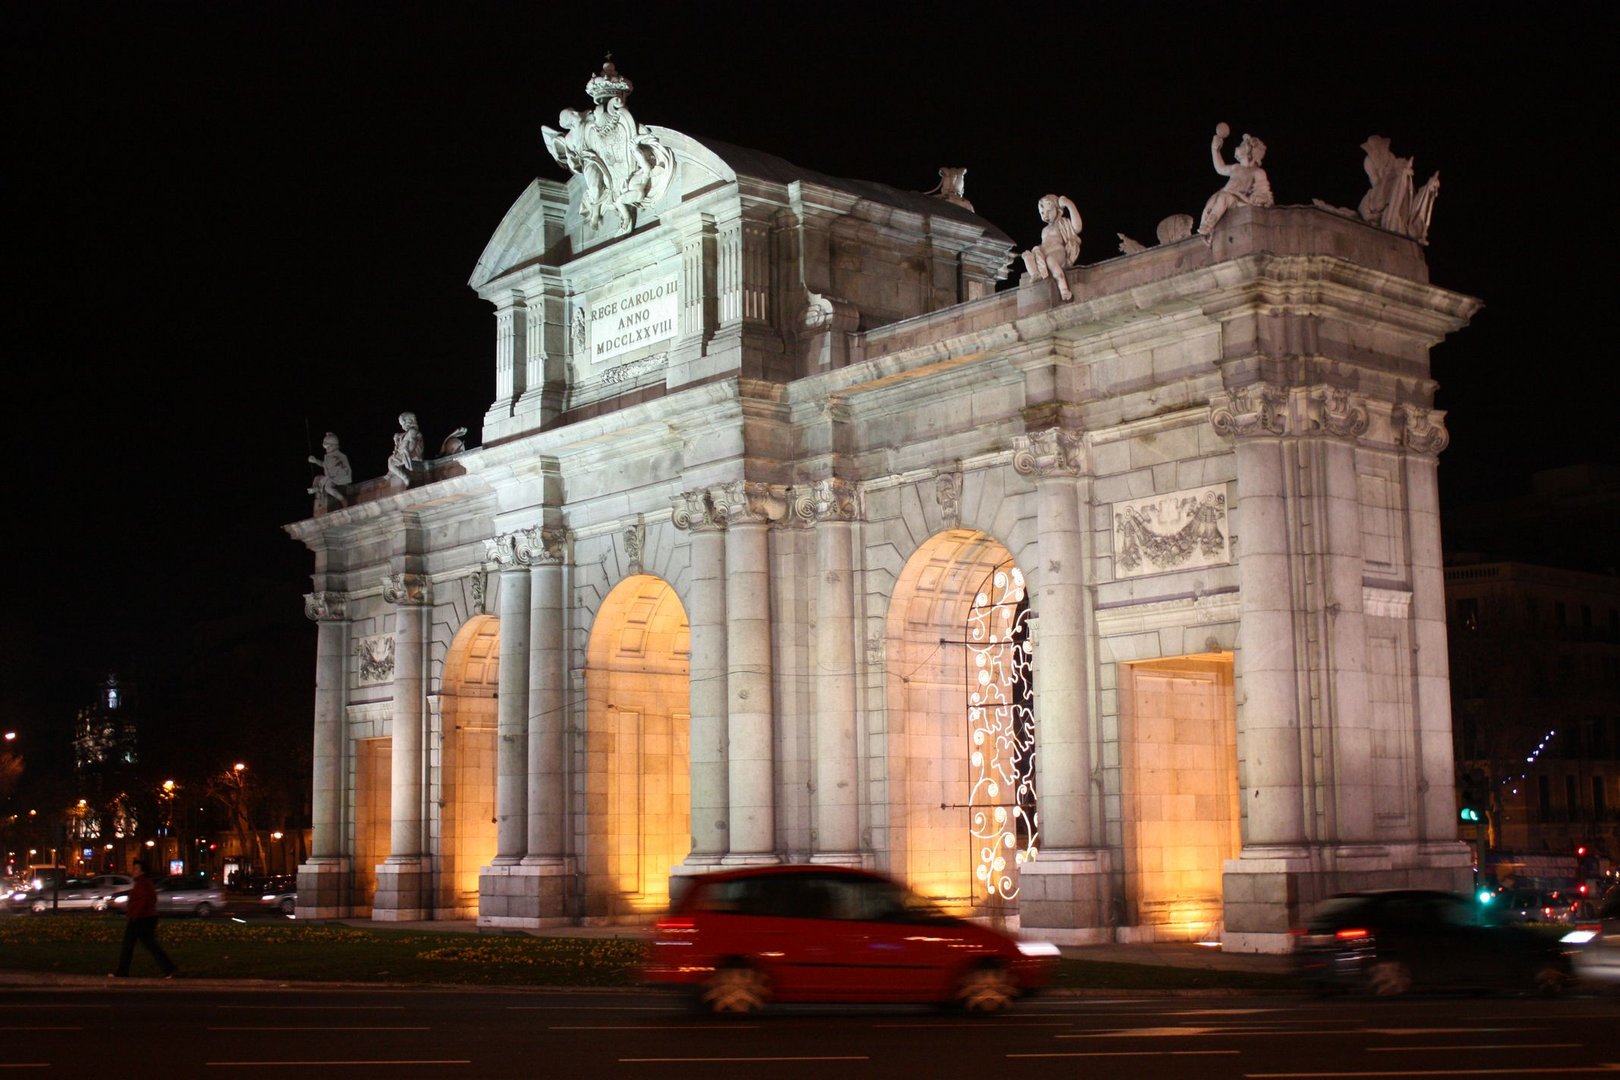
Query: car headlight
{"points": [[1578, 937], [1038, 948]]}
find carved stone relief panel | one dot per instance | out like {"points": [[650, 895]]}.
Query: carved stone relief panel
{"points": [[1176, 531], [376, 656]]}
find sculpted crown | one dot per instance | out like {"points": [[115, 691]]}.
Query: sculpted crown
{"points": [[609, 84]]}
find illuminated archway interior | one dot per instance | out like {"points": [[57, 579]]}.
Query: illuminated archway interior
{"points": [[638, 784], [1180, 792], [467, 839], [954, 767]]}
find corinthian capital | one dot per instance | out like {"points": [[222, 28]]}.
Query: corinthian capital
{"points": [[1256, 409], [1337, 412], [750, 501], [695, 510], [326, 606], [526, 547], [1049, 452], [1421, 430], [407, 589], [829, 499]]}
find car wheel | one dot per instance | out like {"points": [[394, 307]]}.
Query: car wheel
{"points": [[1389, 978], [203, 910], [40, 907], [1549, 981], [100, 904], [288, 905], [986, 990], [735, 990]]}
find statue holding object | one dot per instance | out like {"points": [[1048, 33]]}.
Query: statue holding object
{"points": [[1059, 248], [1246, 181]]}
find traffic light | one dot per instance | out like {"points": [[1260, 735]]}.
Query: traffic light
{"points": [[1475, 801]]}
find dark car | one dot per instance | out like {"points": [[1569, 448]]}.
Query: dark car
{"points": [[743, 938], [1391, 942], [189, 895]]}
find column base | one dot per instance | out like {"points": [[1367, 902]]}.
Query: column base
{"points": [[841, 858], [759, 858], [324, 889], [1063, 896], [1268, 891], [402, 890], [529, 893]]}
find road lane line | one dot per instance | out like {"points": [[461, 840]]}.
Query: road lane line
{"points": [[1132, 1053], [734, 1060], [75, 1027], [1474, 1046], [323, 1064], [652, 1027], [1553, 1070], [322, 1008], [279, 1027]]}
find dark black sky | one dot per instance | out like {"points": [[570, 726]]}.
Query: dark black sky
{"points": [[232, 227]]}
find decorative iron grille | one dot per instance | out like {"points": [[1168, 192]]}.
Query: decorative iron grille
{"points": [[1001, 734]]}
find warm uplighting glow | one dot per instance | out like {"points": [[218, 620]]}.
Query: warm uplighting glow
{"points": [[240, 767], [276, 835], [168, 785]]}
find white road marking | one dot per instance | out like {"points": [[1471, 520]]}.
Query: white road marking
{"points": [[278, 1027], [653, 1027], [323, 1064], [735, 1060], [1131, 1053]]}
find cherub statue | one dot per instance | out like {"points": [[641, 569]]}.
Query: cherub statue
{"points": [[335, 475], [1246, 180], [1059, 248], [408, 445]]}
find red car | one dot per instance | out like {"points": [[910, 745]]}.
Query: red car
{"points": [[743, 938]]}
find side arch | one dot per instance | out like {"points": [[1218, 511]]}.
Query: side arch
{"points": [[637, 775], [466, 769]]}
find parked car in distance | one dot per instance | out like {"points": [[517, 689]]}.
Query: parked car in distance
{"points": [[189, 895], [740, 939], [1536, 905], [1388, 943], [1597, 943]]}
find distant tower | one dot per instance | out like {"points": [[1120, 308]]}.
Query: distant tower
{"points": [[104, 759]]}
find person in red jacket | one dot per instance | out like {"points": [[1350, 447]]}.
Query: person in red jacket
{"points": [[141, 913]]}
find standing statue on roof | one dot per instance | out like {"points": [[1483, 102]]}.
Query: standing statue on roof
{"points": [[1059, 248], [1246, 181], [335, 476], [624, 165], [408, 449], [1391, 202]]}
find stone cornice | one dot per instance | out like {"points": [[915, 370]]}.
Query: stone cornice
{"points": [[407, 589], [326, 606], [1265, 408]]}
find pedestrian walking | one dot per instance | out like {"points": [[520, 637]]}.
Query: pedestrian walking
{"points": [[141, 914]]}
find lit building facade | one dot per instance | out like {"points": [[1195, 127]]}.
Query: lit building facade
{"points": [[791, 539]]}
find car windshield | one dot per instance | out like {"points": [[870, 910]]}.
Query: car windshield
{"points": [[818, 896]]}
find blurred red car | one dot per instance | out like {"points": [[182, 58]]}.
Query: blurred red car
{"points": [[744, 938]]}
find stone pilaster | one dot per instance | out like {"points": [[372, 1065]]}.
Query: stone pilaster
{"points": [[696, 512], [833, 506], [750, 509], [323, 881], [513, 553], [402, 881]]}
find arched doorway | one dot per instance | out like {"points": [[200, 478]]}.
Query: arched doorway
{"points": [[961, 750], [467, 764], [637, 776]]}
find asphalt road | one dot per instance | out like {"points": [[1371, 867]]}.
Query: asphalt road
{"points": [[158, 1029]]}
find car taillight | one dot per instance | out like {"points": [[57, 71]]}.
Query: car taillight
{"points": [[1354, 933]]}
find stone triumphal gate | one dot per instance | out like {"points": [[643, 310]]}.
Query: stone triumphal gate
{"points": [[790, 538]]}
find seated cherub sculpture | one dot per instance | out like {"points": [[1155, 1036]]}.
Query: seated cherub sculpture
{"points": [[1246, 180], [1059, 248]]}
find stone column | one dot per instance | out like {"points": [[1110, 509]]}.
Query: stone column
{"points": [[511, 344], [707, 739], [513, 554], [402, 879], [1423, 434], [750, 508], [548, 703], [1062, 709], [832, 505], [323, 880], [1269, 718]]}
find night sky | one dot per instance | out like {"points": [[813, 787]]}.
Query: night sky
{"points": [[230, 228]]}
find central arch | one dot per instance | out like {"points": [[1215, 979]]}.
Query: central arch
{"points": [[637, 765], [961, 745]]}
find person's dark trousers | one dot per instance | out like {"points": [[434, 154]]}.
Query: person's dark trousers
{"points": [[145, 932]]}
